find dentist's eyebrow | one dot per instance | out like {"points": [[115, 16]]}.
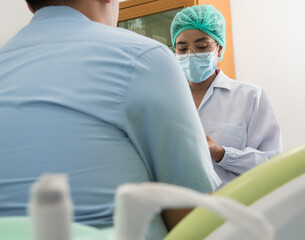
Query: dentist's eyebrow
{"points": [[201, 39]]}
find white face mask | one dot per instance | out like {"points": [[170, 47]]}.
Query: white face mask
{"points": [[197, 67]]}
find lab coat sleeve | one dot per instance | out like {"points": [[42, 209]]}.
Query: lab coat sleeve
{"points": [[162, 123], [263, 139]]}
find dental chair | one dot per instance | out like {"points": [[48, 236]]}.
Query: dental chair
{"points": [[276, 189], [274, 192], [21, 228], [136, 204], [50, 215]]}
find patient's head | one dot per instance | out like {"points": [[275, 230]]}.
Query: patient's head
{"points": [[37, 4]]}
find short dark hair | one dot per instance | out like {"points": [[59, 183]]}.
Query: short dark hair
{"points": [[37, 4]]}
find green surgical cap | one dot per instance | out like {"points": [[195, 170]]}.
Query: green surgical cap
{"points": [[203, 17]]}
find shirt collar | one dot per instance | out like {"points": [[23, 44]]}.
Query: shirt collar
{"points": [[52, 12], [221, 81]]}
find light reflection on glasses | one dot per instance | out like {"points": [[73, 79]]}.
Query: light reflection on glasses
{"points": [[183, 49]]}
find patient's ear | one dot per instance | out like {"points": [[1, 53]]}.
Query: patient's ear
{"points": [[105, 1], [30, 8]]}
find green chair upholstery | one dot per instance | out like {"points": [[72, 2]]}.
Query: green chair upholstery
{"points": [[20, 228], [246, 189]]}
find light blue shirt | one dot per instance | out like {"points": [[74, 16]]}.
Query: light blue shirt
{"points": [[102, 104], [239, 117]]}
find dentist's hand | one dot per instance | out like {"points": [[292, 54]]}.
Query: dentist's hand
{"points": [[217, 151]]}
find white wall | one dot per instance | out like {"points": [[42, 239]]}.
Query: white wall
{"points": [[13, 16], [269, 37]]}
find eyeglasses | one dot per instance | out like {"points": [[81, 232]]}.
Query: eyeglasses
{"points": [[200, 50]]}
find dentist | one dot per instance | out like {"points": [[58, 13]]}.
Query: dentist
{"points": [[241, 127]]}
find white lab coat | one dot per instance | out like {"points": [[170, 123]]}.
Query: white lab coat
{"points": [[239, 117]]}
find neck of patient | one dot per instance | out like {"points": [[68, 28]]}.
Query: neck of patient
{"points": [[97, 11]]}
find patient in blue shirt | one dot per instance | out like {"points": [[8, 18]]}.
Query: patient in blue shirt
{"points": [[102, 104]]}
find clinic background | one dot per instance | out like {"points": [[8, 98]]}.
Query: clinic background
{"points": [[268, 39]]}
